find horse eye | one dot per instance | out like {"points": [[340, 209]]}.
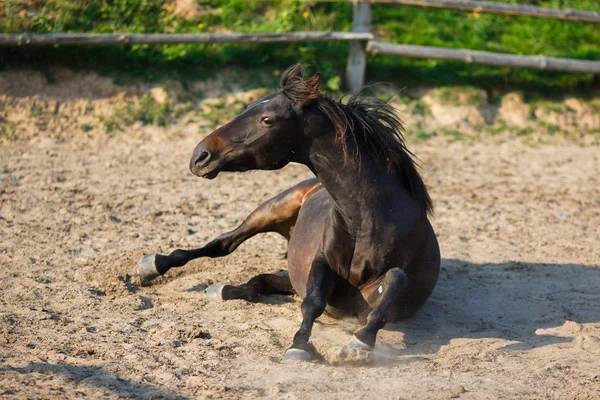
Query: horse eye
{"points": [[267, 121]]}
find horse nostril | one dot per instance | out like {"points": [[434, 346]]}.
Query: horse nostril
{"points": [[202, 159]]}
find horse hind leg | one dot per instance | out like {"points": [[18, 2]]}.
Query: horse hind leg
{"points": [[278, 214], [394, 283], [263, 284]]}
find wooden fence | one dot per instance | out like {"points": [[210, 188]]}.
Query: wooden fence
{"points": [[356, 67], [361, 38]]}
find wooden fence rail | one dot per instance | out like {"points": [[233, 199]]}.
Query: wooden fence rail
{"points": [[485, 57], [501, 8], [24, 39]]}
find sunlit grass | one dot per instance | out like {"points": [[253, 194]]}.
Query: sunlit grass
{"points": [[401, 24]]}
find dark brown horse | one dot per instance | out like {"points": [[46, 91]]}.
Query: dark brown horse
{"points": [[360, 241]]}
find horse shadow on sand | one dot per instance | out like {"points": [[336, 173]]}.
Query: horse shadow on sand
{"points": [[516, 301], [92, 376]]}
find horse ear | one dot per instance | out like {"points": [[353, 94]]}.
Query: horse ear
{"points": [[311, 91], [298, 90], [291, 75]]}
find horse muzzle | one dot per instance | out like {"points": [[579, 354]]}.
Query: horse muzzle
{"points": [[204, 163]]}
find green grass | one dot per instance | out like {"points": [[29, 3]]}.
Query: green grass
{"points": [[523, 131], [147, 111], [401, 24], [8, 132], [110, 124], [420, 107], [86, 127], [453, 135], [493, 130], [420, 135], [550, 128], [36, 110], [457, 96]]}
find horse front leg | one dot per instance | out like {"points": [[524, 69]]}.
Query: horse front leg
{"points": [[394, 282], [153, 266], [278, 214], [320, 284]]}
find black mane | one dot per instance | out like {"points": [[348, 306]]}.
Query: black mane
{"points": [[370, 124]]}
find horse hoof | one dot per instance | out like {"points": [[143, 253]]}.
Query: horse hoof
{"points": [[293, 355], [147, 268], [214, 293], [355, 343]]}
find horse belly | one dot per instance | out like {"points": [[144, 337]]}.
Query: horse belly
{"points": [[306, 238]]}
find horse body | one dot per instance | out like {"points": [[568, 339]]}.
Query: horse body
{"points": [[360, 241], [367, 229]]}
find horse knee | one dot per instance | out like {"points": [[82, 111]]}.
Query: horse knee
{"points": [[391, 285], [220, 247], [395, 278]]}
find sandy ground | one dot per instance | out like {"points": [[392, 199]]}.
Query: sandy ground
{"points": [[515, 315]]}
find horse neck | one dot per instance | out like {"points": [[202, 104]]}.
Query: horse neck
{"points": [[359, 185]]}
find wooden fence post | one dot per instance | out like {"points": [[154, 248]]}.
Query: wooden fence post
{"points": [[357, 60]]}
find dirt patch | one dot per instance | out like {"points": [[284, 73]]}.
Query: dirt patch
{"points": [[515, 313], [187, 9], [67, 105]]}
